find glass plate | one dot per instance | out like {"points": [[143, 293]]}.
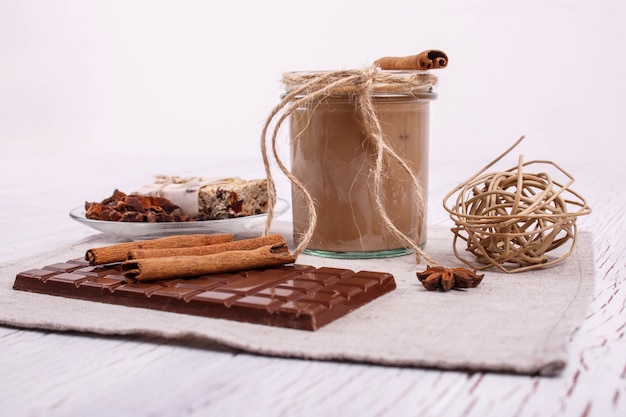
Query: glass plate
{"points": [[141, 231]]}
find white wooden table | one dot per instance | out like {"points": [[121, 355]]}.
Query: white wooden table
{"points": [[65, 374]]}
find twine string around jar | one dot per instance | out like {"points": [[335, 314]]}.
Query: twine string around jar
{"points": [[306, 89]]}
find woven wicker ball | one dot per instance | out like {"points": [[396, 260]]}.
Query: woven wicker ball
{"points": [[512, 219]]}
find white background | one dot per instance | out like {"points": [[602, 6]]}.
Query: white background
{"points": [[169, 78]]}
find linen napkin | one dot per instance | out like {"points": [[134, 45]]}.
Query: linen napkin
{"points": [[519, 323]]}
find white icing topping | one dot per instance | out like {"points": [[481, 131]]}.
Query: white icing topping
{"points": [[182, 191]]}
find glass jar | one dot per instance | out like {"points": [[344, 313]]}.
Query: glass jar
{"points": [[333, 158]]}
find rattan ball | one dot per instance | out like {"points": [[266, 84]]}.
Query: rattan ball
{"points": [[512, 219]]}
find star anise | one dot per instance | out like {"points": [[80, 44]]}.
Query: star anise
{"points": [[438, 277]]}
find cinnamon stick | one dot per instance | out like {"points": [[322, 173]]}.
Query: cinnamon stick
{"points": [[429, 59], [244, 244], [154, 269], [119, 252]]}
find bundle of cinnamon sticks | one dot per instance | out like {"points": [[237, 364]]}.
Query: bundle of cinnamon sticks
{"points": [[183, 256]]}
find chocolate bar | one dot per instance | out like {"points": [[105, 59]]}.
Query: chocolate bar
{"points": [[292, 296]]}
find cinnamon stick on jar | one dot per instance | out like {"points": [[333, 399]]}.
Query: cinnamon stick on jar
{"points": [[429, 59], [119, 252], [154, 269], [244, 244]]}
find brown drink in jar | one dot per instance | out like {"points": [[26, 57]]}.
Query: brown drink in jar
{"points": [[333, 158]]}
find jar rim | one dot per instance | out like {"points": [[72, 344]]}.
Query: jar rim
{"points": [[407, 72], [427, 96], [393, 82]]}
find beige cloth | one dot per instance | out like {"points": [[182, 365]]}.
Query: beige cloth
{"points": [[518, 323]]}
